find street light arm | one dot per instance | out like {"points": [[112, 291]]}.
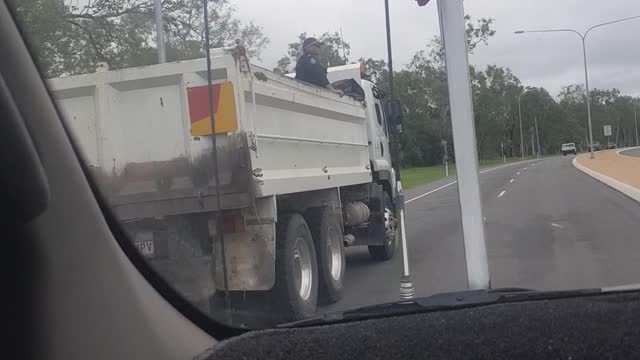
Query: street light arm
{"points": [[549, 30], [609, 23]]}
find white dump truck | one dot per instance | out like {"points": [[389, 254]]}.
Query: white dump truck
{"points": [[302, 173]]}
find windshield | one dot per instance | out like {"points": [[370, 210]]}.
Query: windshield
{"points": [[263, 194]]}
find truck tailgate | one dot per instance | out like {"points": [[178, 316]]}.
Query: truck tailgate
{"points": [[145, 133]]}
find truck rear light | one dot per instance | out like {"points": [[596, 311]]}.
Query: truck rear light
{"points": [[232, 222]]}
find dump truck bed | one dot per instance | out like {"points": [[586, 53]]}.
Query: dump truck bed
{"points": [[146, 134]]}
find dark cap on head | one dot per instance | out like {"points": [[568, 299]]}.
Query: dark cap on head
{"points": [[308, 42]]}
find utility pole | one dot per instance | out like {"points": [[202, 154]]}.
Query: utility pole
{"points": [[521, 137], [533, 145], [395, 148], [389, 54], [452, 28], [162, 56], [407, 290], [445, 158], [635, 117], [535, 119]]}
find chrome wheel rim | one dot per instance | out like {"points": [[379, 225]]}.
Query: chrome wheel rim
{"points": [[390, 226], [303, 275], [334, 248]]}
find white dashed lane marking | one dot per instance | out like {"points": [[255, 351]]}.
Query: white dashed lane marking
{"points": [[510, 181], [454, 182], [502, 193]]}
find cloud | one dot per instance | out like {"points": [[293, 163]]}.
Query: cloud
{"points": [[551, 60]]}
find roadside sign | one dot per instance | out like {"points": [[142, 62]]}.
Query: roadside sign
{"points": [[607, 130]]}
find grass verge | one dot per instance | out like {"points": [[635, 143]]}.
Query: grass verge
{"points": [[412, 177]]}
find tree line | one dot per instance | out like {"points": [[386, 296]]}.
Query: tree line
{"points": [[70, 39]]}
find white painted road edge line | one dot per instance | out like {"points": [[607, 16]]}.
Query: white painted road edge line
{"points": [[502, 193], [430, 192], [630, 191], [455, 181]]}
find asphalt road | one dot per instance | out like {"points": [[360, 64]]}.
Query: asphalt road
{"points": [[548, 226], [632, 152]]}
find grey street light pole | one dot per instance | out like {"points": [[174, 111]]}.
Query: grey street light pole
{"points": [[520, 117], [583, 37], [535, 119], [635, 118], [452, 28], [162, 57]]}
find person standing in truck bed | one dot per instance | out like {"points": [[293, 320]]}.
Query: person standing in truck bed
{"points": [[309, 69]]}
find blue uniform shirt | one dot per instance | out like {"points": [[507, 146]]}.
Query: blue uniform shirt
{"points": [[308, 69]]}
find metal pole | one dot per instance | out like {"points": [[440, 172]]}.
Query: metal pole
{"points": [[462, 123], [445, 157], [521, 137], [635, 117], [533, 145], [162, 56], [586, 83], [395, 160], [389, 54], [407, 291], [535, 119], [219, 223]]}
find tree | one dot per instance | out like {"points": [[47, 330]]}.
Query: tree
{"points": [[376, 71], [608, 107], [334, 52], [422, 88], [70, 38], [495, 92]]}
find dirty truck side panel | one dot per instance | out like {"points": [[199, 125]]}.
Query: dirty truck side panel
{"points": [[307, 137]]}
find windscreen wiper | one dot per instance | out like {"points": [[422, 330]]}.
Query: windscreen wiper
{"points": [[440, 302]]}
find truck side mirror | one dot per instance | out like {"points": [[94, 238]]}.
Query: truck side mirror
{"points": [[394, 113]]}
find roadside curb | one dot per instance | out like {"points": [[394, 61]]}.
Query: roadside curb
{"points": [[627, 190]]}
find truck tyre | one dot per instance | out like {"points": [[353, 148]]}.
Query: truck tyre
{"points": [[296, 287], [329, 244], [385, 252]]}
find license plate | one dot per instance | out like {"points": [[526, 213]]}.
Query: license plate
{"points": [[146, 248], [144, 243]]}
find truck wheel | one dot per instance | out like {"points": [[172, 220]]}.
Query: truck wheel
{"points": [[328, 240], [385, 252], [296, 287]]}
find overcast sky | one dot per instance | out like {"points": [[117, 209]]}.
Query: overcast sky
{"points": [[549, 60]]}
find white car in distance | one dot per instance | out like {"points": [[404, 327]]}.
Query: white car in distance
{"points": [[569, 148]]}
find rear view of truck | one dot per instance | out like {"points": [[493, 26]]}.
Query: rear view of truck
{"points": [[288, 155]]}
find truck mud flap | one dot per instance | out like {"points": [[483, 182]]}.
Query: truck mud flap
{"points": [[375, 232]]}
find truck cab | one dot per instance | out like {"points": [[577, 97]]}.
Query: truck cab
{"points": [[349, 79]]}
